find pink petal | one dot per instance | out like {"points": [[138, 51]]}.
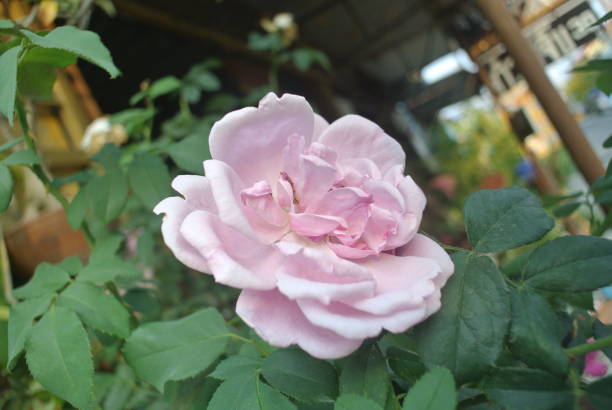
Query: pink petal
{"points": [[233, 258], [310, 273], [353, 136], [342, 202], [251, 140], [176, 210], [196, 190], [385, 195], [315, 180], [593, 366], [401, 282], [407, 227], [320, 124], [326, 154], [352, 323], [413, 196], [350, 252], [381, 225], [226, 187], [266, 216], [313, 225], [279, 321], [424, 247]]}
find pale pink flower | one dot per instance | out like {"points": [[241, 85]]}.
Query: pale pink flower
{"points": [[315, 222]]}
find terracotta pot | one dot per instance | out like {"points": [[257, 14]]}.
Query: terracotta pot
{"points": [[46, 239]]}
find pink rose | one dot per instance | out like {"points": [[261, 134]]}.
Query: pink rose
{"points": [[316, 223]]}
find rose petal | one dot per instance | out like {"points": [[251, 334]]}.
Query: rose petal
{"points": [[226, 187], [313, 225], [355, 324], [279, 321], [353, 136], [320, 124], [196, 190], [414, 198], [424, 247], [176, 210], [251, 140], [233, 258], [401, 282]]}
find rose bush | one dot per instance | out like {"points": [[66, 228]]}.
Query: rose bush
{"points": [[315, 222]]}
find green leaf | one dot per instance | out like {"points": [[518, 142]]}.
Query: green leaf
{"points": [[47, 279], [6, 24], [405, 364], [191, 394], [38, 71], [604, 198], [83, 43], [570, 264], [190, 153], [8, 82], [163, 86], [599, 393], [602, 20], [59, 356], [119, 392], [566, 209], [133, 119], [527, 389], [71, 264], [96, 308], [106, 248], [467, 334], [534, 333], [20, 322], [607, 143], [10, 144], [108, 194], [365, 374], [501, 219], [175, 350], [596, 65], [353, 402], [76, 209], [23, 157], [602, 331], [247, 392], [6, 187], [435, 390], [108, 270], [236, 366], [604, 82], [299, 375], [149, 179], [265, 42]]}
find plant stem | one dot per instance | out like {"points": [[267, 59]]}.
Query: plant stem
{"points": [[40, 172], [245, 340], [454, 248], [590, 347]]}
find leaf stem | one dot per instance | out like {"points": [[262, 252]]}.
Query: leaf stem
{"points": [[454, 248], [234, 336], [589, 347], [40, 172]]}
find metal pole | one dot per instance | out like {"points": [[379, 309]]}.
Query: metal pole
{"points": [[530, 65]]}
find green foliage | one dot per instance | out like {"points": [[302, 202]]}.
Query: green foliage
{"points": [[365, 374], [353, 401], [47, 279], [470, 327], [149, 179], [96, 308], [8, 81], [6, 187], [435, 390], [534, 333], [298, 375], [59, 358], [164, 351], [498, 220], [248, 392], [570, 264]]}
